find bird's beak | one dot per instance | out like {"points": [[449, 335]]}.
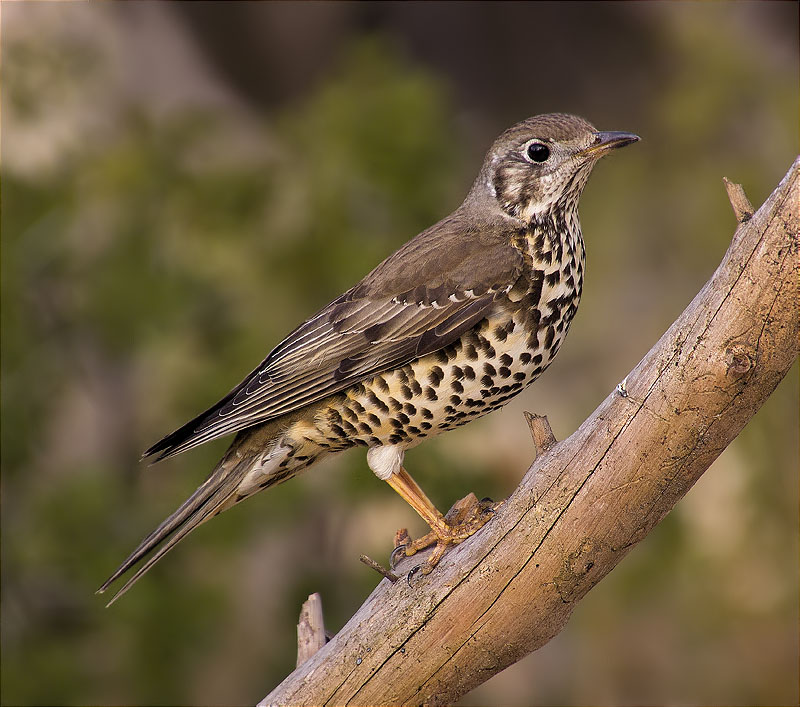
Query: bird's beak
{"points": [[604, 142]]}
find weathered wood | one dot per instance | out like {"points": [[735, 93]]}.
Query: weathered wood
{"points": [[742, 208], [541, 433], [511, 587], [310, 629]]}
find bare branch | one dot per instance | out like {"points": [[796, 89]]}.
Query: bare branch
{"points": [[543, 438], [584, 503], [742, 208], [310, 629], [380, 569]]}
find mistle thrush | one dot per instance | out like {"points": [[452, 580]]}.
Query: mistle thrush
{"points": [[450, 327]]}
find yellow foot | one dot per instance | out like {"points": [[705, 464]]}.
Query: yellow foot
{"points": [[465, 518]]}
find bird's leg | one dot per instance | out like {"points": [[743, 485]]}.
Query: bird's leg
{"points": [[463, 520]]}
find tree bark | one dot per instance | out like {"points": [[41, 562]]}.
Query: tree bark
{"points": [[586, 500]]}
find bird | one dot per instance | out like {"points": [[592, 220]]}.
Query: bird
{"points": [[445, 330]]}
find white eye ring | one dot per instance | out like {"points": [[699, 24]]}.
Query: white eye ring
{"points": [[536, 152]]}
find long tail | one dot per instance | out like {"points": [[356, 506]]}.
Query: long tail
{"points": [[219, 492]]}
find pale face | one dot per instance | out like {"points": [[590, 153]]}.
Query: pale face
{"points": [[530, 176]]}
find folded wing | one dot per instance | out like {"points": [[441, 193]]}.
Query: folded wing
{"points": [[386, 321]]}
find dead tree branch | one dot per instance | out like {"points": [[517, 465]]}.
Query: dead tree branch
{"points": [[587, 500], [310, 629]]}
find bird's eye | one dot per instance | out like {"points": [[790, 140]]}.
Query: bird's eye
{"points": [[537, 152]]}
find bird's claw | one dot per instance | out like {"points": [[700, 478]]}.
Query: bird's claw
{"points": [[464, 519]]}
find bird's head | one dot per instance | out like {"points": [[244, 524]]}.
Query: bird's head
{"points": [[543, 163]]}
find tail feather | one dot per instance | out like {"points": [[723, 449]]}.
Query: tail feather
{"points": [[208, 500]]}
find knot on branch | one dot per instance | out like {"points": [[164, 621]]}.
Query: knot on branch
{"points": [[740, 359], [571, 581]]}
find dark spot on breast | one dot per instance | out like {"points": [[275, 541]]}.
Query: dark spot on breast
{"points": [[487, 381], [470, 352], [504, 372], [441, 356], [365, 428], [548, 340], [534, 317], [425, 425], [455, 385], [350, 414], [524, 358], [469, 373], [403, 418], [553, 278], [500, 333], [519, 376], [430, 394], [490, 369], [377, 402], [405, 391], [395, 404], [506, 360], [409, 409], [427, 414], [380, 381], [374, 419]]}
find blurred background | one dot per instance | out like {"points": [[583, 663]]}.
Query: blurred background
{"points": [[183, 183]]}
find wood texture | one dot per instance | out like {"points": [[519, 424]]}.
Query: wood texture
{"points": [[587, 500], [310, 628]]}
